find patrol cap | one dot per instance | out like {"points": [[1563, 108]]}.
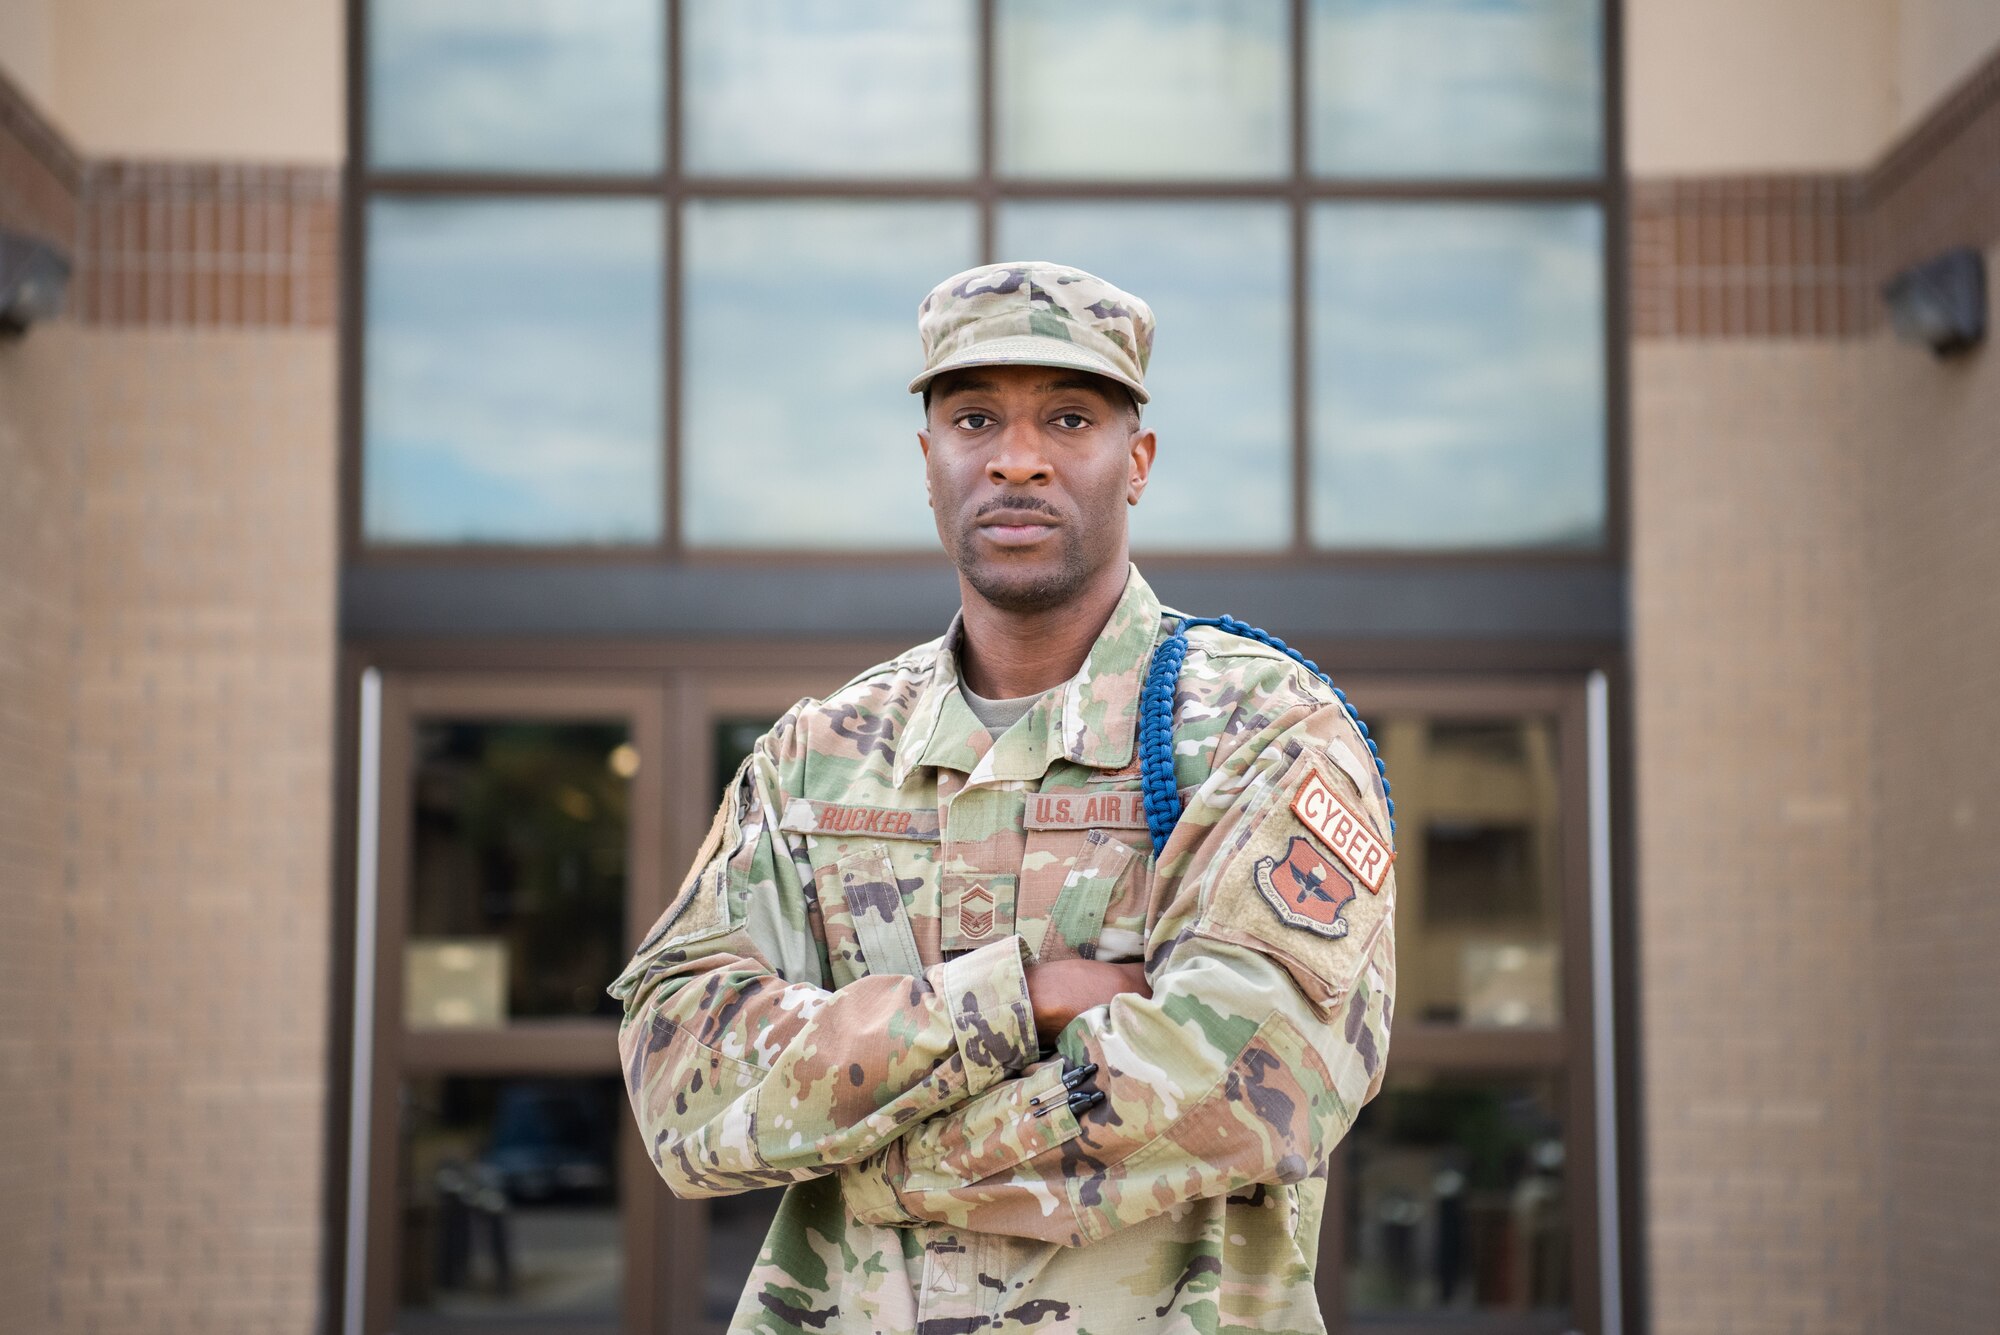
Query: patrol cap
{"points": [[1034, 313]]}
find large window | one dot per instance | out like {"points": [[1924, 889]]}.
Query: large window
{"points": [[640, 276]]}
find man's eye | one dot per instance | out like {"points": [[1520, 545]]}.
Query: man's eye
{"points": [[1073, 421], [975, 421]]}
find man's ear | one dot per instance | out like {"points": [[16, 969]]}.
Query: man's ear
{"points": [[924, 444], [1143, 446]]}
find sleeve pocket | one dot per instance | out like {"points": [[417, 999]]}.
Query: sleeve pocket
{"points": [[1283, 892], [1008, 1125]]}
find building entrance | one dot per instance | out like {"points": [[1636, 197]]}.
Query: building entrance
{"points": [[522, 829]]}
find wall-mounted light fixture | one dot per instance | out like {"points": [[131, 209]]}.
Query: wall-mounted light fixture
{"points": [[33, 275], [1940, 303]]}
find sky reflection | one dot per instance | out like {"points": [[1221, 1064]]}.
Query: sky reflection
{"points": [[1143, 88], [829, 87], [1475, 88], [511, 381], [516, 85], [1458, 375]]}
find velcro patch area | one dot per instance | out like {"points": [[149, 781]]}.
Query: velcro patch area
{"points": [[1287, 885]]}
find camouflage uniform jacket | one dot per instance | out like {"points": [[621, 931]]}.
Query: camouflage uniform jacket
{"points": [[836, 998]]}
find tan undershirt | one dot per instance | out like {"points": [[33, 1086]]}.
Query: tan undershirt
{"points": [[996, 716]]}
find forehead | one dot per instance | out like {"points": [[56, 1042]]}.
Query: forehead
{"points": [[1038, 381]]}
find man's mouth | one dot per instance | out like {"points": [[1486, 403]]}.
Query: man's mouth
{"points": [[1016, 528]]}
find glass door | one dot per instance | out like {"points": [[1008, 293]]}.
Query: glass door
{"points": [[711, 1245], [532, 829], [519, 846], [1464, 1198]]}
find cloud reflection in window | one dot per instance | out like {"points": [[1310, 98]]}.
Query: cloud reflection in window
{"points": [[1458, 375], [516, 85], [512, 375], [801, 332], [829, 87], [1218, 277], [1456, 88], [1143, 88]]}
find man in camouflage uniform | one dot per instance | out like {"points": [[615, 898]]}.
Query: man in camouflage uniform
{"points": [[1020, 1073]]}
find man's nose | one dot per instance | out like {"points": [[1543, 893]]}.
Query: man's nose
{"points": [[1017, 457]]}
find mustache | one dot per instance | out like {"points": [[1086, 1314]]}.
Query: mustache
{"points": [[1018, 504]]}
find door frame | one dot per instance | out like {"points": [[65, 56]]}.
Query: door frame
{"points": [[688, 674], [534, 1047], [701, 698]]}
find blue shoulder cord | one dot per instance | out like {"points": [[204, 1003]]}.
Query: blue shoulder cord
{"points": [[1156, 722]]}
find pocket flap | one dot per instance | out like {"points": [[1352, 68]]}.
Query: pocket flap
{"points": [[881, 920]]}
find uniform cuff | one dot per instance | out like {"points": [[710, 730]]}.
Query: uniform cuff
{"points": [[868, 1188], [991, 1015]]}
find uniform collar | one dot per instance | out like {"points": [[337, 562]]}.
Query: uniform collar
{"points": [[1091, 719]]}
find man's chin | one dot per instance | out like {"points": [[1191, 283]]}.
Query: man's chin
{"points": [[1034, 589]]}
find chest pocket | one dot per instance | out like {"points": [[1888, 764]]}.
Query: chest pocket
{"points": [[878, 904], [1082, 895], [873, 892]]}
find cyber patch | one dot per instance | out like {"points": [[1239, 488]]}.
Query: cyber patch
{"points": [[1306, 889], [1342, 829]]}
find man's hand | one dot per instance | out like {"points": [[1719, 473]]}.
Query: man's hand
{"points": [[1061, 990]]}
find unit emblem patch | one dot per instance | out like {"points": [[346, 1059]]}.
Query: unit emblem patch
{"points": [[1305, 889]]}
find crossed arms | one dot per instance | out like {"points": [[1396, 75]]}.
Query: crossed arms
{"points": [[1239, 1055]]}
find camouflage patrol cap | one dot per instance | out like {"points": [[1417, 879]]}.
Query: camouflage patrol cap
{"points": [[1033, 313]]}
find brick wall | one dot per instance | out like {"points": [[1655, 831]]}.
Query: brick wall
{"points": [[192, 1092], [1816, 629], [1763, 1038], [1933, 483], [39, 179], [167, 568], [37, 488]]}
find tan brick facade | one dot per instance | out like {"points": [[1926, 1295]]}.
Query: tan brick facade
{"points": [[191, 1004], [1816, 649], [1933, 485], [1816, 646], [167, 556], [166, 612], [1759, 922], [37, 491]]}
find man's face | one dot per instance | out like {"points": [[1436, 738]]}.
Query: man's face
{"points": [[1030, 470]]}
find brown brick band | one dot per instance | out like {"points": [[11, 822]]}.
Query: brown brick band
{"points": [[173, 244], [1803, 256], [40, 177], [201, 246], [1748, 257]]}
